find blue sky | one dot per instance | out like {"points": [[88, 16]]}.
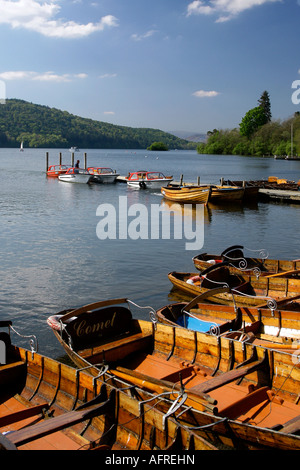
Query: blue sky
{"points": [[186, 65]]}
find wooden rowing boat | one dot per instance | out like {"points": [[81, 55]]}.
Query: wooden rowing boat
{"points": [[186, 194], [244, 289], [238, 262], [259, 410], [263, 326], [225, 193], [47, 405]]}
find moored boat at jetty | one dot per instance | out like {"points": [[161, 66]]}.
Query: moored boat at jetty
{"points": [[147, 179], [186, 194], [197, 193], [55, 170], [237, 262], [247, 289], [47, 405], [226, 193], [103, 175], [75, 175], [260, 409]]}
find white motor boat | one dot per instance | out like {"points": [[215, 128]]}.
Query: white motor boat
{"points": [[75, 175], [103, 175], [148, 179]]}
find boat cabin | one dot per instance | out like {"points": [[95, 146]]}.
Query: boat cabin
{"points": [[145, 175], [56, 170], [101, 170], [76, 171]]}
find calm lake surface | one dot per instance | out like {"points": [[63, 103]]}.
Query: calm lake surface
{"points": [[52, 258]]}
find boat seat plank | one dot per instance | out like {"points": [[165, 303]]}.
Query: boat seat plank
{"points": [[11, 365], [22, 414], [58, 423], [129, 344], [225, 378], [292, 426]]}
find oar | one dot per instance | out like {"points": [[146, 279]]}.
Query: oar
{"points": [[284, 273], [200, 401]]}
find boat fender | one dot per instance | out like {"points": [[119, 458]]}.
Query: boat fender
{"points": [[214, 261], [54, 321], [142, 184], [195, 279]]}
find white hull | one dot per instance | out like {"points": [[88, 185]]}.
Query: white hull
{"points": [[146, 184], [105, 178], [75, 178]]}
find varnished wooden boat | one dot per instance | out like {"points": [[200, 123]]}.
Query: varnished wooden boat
{"points": [[225, 193], [238, 262], [245, 289], [259, 411], [47, 405], [186, 194], [263, 326]]}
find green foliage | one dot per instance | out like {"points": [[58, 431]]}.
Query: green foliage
{"points": [[44, 127], [272, 138], [158, 146], [264, 102], [252, 121]]}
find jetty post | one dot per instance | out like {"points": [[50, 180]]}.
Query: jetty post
{"points": [[47, 160]]}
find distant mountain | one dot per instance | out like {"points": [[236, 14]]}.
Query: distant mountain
{"points": [[191, 137], [45, 127]]}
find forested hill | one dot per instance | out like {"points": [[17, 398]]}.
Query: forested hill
{"points": [[44, 127]]}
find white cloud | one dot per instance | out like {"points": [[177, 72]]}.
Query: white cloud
{"points": [[40, 17], [42, 77], [140, 37], [225, 9], [108, 75], [109, 112], [205, 94]]}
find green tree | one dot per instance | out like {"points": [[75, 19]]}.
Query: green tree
{"points": [[158, 146], [264, 102], [252, 121]]}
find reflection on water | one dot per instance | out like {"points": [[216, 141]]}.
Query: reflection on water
{"points": [[52, 259]]}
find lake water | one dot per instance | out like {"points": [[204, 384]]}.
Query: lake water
{"points": [[52, 258]]}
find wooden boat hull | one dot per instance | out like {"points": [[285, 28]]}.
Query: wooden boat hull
{"points": [[222, 194], [203, 369], [245, 290], [186, 194], [239, 262], [274, 327], [47, 405]]}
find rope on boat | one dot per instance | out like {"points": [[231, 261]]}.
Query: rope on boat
{"points": [[63, 328]]}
